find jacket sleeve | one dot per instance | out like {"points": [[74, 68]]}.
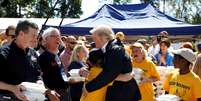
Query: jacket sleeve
{"points": [[111, 69]]}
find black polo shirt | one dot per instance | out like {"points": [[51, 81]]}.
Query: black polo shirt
{"points": [[51, 69], [18, 66]]}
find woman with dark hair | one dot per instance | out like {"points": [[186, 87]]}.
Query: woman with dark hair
{"points": [[164, 57]]}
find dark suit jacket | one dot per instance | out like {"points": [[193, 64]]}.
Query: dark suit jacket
{"points": [[116, 62]]}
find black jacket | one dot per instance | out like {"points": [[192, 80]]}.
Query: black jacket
{"points": [[116, 61], [51, 70], [17, 65]]}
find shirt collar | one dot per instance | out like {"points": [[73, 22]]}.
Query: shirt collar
{"points": [[18, 49], [104, 47]]}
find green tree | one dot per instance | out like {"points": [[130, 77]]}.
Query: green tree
{"points": [[70, 8], [41, 8], [187, 10], [14, 8], [9, 9]]}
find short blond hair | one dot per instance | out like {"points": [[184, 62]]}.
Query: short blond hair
{"points": [[103, 30]]}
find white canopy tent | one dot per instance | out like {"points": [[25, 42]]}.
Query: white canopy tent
{"points": [[5, 22]]}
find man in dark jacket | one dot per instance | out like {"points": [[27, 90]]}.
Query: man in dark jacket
{"points": [[18, 64], [116, 63]]}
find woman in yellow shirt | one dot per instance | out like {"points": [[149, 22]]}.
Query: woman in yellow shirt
{"points": [[94, 61], [150, 74]]}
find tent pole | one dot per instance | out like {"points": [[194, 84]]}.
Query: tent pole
{"points": [[41, 30], [63, 16], [61, 22], [164, 6]]}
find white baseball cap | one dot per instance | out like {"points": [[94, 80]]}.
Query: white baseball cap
{"points": [[186, 54]]}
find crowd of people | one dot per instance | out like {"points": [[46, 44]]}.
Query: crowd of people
{"points": [[108, 65]]}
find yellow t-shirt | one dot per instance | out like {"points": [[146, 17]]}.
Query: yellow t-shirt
{"points": [[128, 50], [149, 70], [98, 95], [187, 86]]}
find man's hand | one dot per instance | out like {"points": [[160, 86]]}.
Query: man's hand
{"points": [[83, 72], [52, 95], [17, 91]]}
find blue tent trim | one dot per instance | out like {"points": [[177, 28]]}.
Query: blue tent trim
{"points": [[132, 19]]}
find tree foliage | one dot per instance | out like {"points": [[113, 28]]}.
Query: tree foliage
{"points": [[187, 10], [40, 8], [70, 8]]}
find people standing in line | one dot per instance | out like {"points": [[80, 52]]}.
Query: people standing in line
{"points": [[18, 64], [183, 82], [116, 62], [70, 43], [149, 73], [53, 73]]}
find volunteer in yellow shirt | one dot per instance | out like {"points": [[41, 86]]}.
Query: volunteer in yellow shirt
{"points": [[95, 61], [150, 74], [183, 82]]}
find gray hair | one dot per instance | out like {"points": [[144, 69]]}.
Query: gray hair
{"points": [[103, 30], [48, 32]]}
